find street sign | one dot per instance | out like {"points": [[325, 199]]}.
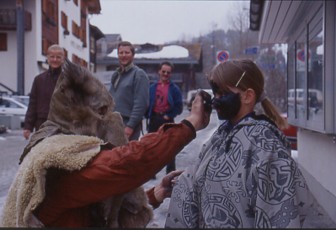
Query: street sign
{"points": [[301, 55], [251, 50], [222, 56], [301, 60]]}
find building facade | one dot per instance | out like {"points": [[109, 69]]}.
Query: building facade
{"points": [[29, 27], [309, 30]]}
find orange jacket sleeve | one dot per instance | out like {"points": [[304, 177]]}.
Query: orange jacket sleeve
{"points": [[115, 171]]}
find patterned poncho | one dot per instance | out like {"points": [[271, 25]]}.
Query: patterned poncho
{"points": [[244, 178]]}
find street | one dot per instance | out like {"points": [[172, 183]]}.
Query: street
{"points": [[12, 144], [11, 147]]}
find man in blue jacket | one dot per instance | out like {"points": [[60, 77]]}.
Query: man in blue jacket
{"points": [[165, 102]]}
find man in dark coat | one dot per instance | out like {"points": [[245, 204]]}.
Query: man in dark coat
{"points": [[42, 90]]}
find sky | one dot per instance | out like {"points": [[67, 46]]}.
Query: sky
{"points": [[159, 21]]}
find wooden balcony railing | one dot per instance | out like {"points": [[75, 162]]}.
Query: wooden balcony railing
{"points": [[8, 19]]}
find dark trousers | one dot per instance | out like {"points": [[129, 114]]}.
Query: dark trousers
{"points": [[154, 124]]}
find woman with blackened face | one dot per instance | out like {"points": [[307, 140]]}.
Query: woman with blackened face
{"points": [[245, 176]]}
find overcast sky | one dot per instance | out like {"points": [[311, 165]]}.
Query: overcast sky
{"points": [[163, 21]]}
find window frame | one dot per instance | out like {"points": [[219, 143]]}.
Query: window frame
{"points": [[325, 13]]}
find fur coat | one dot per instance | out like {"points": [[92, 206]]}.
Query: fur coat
{"points": [[80, 123]]}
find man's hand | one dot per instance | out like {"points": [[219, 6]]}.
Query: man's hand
{"points": [[128, 132], [26, 134], [166, 117], [198, 117], [164, 189]]}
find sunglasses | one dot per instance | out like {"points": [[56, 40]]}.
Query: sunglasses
{"points": [[216, 89], [165, 72]]}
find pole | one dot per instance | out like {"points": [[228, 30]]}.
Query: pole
{"points": [[20, 46]]}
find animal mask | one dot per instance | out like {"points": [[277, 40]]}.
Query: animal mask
{"points": [[80, 105]]}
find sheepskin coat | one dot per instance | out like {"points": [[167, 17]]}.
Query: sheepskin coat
{"points": [[68, 152], [81, 107]]}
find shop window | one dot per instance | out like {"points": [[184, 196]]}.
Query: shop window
{"points": [[306, 78], [300, 77], [315, 100], [291, 94]]}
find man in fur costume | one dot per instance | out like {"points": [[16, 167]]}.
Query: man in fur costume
{"points": [[72, 172]]}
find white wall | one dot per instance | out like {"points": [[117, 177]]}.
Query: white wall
{"points": [[317, 156], [32, 45], [73, 44]]}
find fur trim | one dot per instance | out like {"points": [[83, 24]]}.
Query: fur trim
{"points": [[69, 152]]}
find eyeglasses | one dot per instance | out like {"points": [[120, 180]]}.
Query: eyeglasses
{"points": [[165, 72], [216, 89]]}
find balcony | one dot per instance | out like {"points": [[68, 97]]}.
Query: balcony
{"points": [[8, 19]]}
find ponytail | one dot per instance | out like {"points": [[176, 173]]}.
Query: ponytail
{"points": [[272, 112]]}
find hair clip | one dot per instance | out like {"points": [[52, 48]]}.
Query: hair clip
{"points": [[241, 77]]}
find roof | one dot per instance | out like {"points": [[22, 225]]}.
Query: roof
{"points": [[154, 54], [96, 32], [170, 51], [276, 20], [113, 37]]}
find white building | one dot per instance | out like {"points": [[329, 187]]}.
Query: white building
{"points": [[307, 27], [45, 22]]}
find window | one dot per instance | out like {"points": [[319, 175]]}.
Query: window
{"points": [[315, 75], [64, 19], [291, 99], [49, 10], [310, 101], [300, 76], [75, 29]]}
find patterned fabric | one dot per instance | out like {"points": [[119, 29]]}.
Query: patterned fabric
{"points": [[244, 178]]}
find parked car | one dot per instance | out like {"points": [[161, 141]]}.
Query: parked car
{"points": [[315, 97], [191, 96], [291, 134], [23, 99], [12, 107]]}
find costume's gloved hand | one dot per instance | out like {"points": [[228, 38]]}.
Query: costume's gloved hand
{"points": [[198, 116]]}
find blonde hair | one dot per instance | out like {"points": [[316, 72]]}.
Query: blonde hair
{"points": [[231, 72], [57, 48]]}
